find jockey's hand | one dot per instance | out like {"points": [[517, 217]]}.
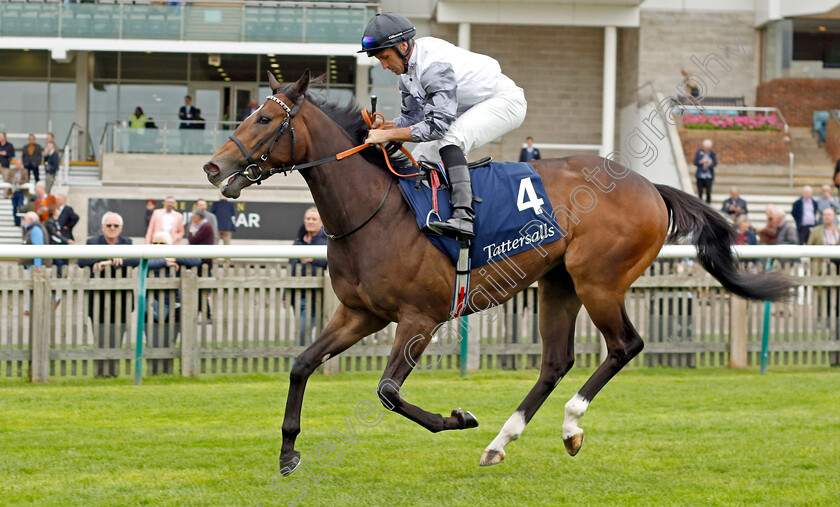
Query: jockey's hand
{"points": [[386, 134], [377, 123], [378, 137]]}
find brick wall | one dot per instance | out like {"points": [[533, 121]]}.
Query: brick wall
{"points": [[668, 40], [832, 139], [799, 98], [560, 69], [737, 147]]}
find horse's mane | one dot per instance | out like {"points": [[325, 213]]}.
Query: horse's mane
{"points": [[347, 116]]}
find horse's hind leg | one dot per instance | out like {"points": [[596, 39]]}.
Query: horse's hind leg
{"points": [[414, 333], [559, 306], [606, 309], [344, 329]]}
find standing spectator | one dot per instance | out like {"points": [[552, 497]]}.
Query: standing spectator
{"points": [[53, 230], [19, 178], [705, 160], [827, 233], [115, 305], [138, 120], [43, 200], [166, 307], [7, 153], [224, 211], [804, 214], [150, 208], [826, 201], [210, 217], [312, 234], [734, 205], [50, 165], [32, 156], [529, 152], [201, 233], [166, 220], [186, 114], [67, 218], [34, 234]]}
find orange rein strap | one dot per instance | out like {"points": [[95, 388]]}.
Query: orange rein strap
{"points": [[369, 118]]}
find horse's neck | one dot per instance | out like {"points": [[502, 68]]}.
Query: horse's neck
{"points": [[346, 191]]}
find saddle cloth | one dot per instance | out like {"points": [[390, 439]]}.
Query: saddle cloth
{"points": [[513, 214]]}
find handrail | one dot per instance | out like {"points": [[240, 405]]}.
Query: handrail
{"points": [[320, 251]]}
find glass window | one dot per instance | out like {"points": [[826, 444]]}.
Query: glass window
{"points": [[18, 63], [102, 109], [62, 110], [159, 66], [23, 108], [159, 102]]}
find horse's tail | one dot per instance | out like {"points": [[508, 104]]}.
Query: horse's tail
{"points": [[713, 236]]}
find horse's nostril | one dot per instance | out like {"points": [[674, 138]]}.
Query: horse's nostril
{"points": [[210, 167]]}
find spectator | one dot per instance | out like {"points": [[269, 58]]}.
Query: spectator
{"points": [[186, 113], [33, 234], [825, 234], [67, 218], [166, 307], [50, 165], [53, 230], [826, 201], [138, 120], [312, 234], [529, 152], [43, 200], [114, 305], [785, 232], [805, 214], [7, 153], [734, 205], [705, 160], [51, 139], [150, 208], [210, 217], [201, 233], [166, 220], [32, 156], [250, 109], [745, 232], [224, 211], [691, 88], [836, 177], [19, 177]]}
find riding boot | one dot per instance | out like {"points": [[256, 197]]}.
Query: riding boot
{"points": [[460, 226]]}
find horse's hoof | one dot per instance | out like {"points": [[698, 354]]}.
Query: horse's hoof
{"points": [[573, 443], [491, 457], [465, 419], [289, 462]]}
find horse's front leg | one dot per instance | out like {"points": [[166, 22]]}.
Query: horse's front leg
{"points": [[414, 334], [346, 328]]}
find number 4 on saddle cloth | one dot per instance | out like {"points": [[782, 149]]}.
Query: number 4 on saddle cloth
{"points": [[512, 212]]}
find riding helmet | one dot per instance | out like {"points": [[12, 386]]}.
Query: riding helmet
{"points": [[386, 30]]}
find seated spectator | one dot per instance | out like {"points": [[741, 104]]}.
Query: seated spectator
{"points": [[734, 205], [166, 307], [114, 305], [19, 177], [786, 233], [826, 201], [745, 232]]}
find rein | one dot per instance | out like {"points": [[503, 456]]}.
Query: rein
{"points": [[255, 173]]}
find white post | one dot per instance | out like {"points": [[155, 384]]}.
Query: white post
{"points": [[608, 103], [464, 36]]}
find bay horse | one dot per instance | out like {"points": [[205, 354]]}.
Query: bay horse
{"points": [[383, 269]]}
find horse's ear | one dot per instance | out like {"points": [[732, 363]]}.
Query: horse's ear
{"points": [[273, 83], [303, 83]]}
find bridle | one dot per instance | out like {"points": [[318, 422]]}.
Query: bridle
{"points": [[255, 173]]}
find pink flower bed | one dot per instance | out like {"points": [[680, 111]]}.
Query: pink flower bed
{"points": [[725, 122]]}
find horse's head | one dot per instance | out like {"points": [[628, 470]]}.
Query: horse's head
{"points": [[261, 141]]}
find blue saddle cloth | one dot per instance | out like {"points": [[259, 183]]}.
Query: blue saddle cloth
{"points": [[507, 220]]}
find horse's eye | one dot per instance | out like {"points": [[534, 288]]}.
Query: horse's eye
{"points": [[263, 119]]}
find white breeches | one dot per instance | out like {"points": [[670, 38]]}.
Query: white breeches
{"points": [[480, 124]]}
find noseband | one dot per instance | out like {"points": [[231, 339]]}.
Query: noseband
{"points": [[254, 172]]}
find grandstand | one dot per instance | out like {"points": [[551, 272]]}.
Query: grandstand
{"points": [[591, 72]]}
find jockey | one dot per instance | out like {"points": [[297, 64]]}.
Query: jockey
{"points": [[452, 101]]}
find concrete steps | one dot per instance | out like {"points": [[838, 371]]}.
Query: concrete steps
{"points": [[9, 233], [84, 173]]}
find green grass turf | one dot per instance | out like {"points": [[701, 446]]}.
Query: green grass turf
{"points": [[653, 437]]}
